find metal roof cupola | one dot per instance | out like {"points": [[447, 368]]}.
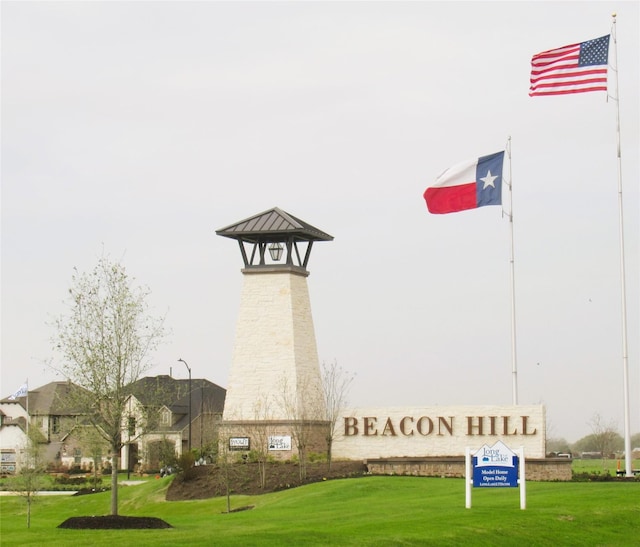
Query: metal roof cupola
{"points": [[278, 232]]}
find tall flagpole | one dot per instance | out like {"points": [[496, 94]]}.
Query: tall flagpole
{"points": [[27, 404], [625, 355], [514, 361]]}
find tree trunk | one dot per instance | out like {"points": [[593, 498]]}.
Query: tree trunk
{"points": [[114, 482], [302, 455], [95, 474], [262, 470]]}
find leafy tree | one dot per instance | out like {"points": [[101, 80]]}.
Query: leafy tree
{"points": [[93, 443], [335, 387], [161, 453], [105, 340]]}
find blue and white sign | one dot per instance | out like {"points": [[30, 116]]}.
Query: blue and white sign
{"points": [[495, 466]]}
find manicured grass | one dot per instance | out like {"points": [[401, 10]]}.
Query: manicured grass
{"points": [[600, 466], [369, 511]]}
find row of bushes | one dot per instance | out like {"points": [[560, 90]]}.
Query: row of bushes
{"points": [[605, 476], [59, 483], [77, 480]]}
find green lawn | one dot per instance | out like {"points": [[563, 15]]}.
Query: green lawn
{"points": [[380, 511], [601, 466]]}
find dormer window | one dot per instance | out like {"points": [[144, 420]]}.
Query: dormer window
{"points": [[165, 417]]}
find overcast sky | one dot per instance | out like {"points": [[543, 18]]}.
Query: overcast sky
{"points": [[136, 129]]}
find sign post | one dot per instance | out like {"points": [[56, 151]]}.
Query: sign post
{"points": [[495, 466]]}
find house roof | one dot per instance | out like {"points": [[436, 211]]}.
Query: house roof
{"points": [[54, 399], [7, 421], [174, 393]]}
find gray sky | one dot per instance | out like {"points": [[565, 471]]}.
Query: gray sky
{"points": [[138, 129]]}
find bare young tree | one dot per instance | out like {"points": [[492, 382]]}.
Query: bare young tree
{"points": [[259, 432], [225, 466], [105, 341], [335, 387], [604, 436], [303, 406], [258, 429], [31, 476]]}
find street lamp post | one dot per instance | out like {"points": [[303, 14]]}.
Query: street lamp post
{"points": [[189, 369]]}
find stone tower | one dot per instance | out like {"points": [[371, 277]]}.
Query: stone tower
{"points": [[274, 389]]}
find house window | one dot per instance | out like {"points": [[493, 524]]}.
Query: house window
{"points": [[77, 455], [8, 461], [166, 417], [55, 424], [132, 426]]}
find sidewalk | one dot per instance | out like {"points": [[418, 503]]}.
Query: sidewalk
{"points": [[42, 493]]}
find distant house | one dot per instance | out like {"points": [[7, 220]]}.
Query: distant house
{"points": [[13, 439], [69, 441], [48, 411], [151, 442]]}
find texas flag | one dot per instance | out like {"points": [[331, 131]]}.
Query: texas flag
{"points": [[468, 185]]}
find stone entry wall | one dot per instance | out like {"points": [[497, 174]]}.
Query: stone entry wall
{"points": [[538, 469]]}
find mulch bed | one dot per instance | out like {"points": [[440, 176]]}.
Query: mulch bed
{"points": [[114, 522], [209, 481]]}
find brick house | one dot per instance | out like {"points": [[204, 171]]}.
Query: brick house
{"points": [[168, 435]]}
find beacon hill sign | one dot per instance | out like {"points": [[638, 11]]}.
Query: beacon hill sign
{"points": [[438, 430]]}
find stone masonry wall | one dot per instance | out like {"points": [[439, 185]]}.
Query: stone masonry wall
{"points": [[539, 469], [275, 351]]}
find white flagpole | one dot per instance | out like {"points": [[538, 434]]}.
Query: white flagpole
{"points": [[625, 355], [28, 416], [514, 360]]}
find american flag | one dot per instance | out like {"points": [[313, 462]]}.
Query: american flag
{"points": [[577, 68]]}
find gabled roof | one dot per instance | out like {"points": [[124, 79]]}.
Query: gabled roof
{"points": [[53, 399], [210, 398], [174, 393], [20, 422], [273, 225]]}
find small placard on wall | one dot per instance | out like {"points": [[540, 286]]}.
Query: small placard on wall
{"points": [[239, 443], [280, 442]]}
